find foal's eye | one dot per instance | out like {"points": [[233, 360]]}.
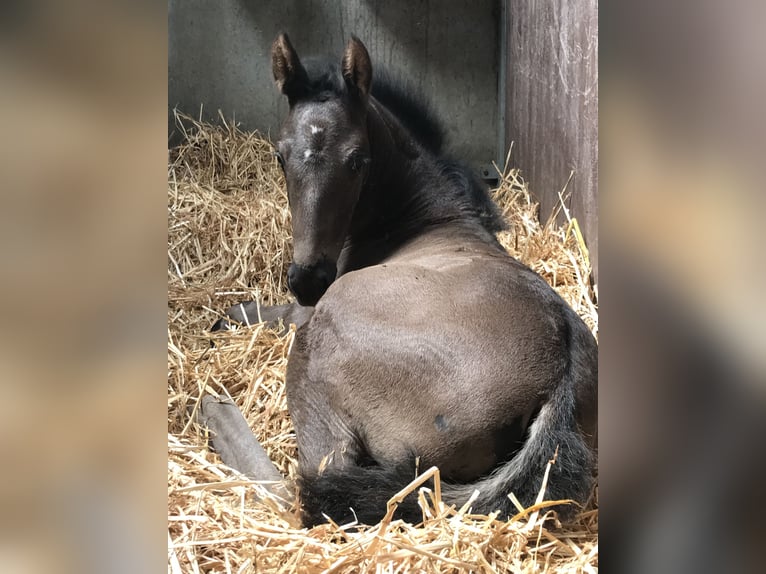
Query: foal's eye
{"points": [[280, 159], [356, 161]]}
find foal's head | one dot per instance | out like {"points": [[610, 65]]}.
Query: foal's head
{"points": [[324, 151]]}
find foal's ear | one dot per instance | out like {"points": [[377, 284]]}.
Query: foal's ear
{"points": [[357, 68], [289, 73]]}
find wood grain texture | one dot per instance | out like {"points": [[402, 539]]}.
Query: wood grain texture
{"points": [[552, 104]]}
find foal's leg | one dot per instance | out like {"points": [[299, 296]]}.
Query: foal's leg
{"points": [[251, 313], [326, 442], [235, 443]]}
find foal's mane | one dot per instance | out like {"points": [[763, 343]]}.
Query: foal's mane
{"points": [[461, 194], [410, 108]]}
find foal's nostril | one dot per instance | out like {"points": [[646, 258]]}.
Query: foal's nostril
{"points": [[309, 282], [292, 273], [323, 277], [325, 274]]}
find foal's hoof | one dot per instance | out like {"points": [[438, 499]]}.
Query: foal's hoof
{"points": [[223, 324], [236, 316]]}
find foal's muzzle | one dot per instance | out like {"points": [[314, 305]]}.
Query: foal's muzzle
{"points": [[309, 282]]}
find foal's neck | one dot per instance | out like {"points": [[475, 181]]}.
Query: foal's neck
{"points": [[406, 194]]}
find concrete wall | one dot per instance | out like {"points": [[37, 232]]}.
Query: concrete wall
{"points": [[219, 57]]}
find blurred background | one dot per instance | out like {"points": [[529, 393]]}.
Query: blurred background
{"points": [[683, 351], [83, 159], [83, 341]]}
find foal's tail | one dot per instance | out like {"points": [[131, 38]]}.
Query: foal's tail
{"points": [[554, 433]]}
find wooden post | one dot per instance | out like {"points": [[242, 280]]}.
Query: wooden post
{"points": [[552, 104]]}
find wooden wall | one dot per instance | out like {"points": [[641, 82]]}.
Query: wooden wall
{"points": [[551, 110], [219, 58]]}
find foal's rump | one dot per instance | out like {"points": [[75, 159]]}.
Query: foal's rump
{"points": [[446, 355]]}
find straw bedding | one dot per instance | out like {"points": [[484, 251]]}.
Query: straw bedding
{"points": [[229, 241]]}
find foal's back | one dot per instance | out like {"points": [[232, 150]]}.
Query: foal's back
{"points": [[445, 350]]}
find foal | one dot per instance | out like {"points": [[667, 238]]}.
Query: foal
{"points": [[420, 338]]}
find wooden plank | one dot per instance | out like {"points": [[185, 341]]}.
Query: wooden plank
{"points": [[552, 104]]}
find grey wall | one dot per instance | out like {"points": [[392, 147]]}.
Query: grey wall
{"points": [[219, 57]]}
